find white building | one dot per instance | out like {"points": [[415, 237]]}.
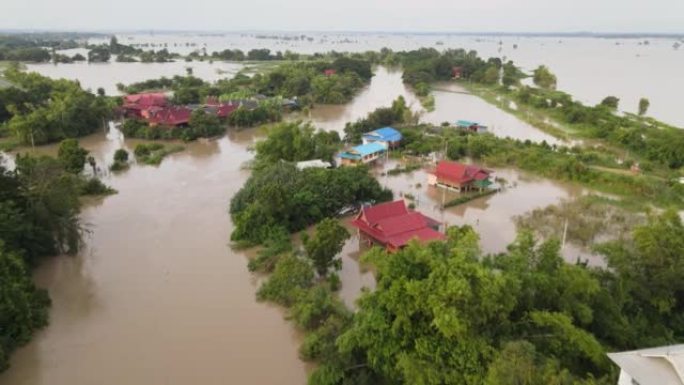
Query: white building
{"points": [[656, 366]]}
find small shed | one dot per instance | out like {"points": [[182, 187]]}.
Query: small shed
{"points": [[471, 126]]}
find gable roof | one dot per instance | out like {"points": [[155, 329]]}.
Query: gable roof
{"points": [[656, 366], [363, 150], [147, 99], [391, 223], [459, 172], [171, 116], [382, 211], [385, 134]]}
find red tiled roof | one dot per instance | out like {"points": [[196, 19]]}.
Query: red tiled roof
{"points": [[226, 109], [374, 214], [392, 224], [170, 116], [144, 100], [460, 173], [329, 72], [425, 234]]}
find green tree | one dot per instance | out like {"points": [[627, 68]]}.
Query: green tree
{"points": [[23, 307], [326, 243], [491, 75], [72, 155], [643, 106], [121, 155], [543, 78], [204, 124], [611, 102]]}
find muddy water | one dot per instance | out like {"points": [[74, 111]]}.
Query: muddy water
{"points": [[158, 297], [385, 86], [452, 103], [491, 216]]}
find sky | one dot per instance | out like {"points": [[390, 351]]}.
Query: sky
{"points": [[660, 16]]}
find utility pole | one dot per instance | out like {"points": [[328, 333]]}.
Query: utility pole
{"points": [[565, 233]]}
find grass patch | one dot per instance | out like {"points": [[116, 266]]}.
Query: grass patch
{"points": [[467, 198], [154, 153]]}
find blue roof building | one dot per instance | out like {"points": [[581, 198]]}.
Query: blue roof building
{"points": [[364, 153], [387, 135]]}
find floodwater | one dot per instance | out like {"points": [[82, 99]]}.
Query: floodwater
{"points": [[159, 297], [491, 216], [453, 102], [385, 86], [588, 68]]}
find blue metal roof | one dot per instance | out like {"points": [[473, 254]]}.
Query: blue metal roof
{"points": [[385, 134], [363, 150], [466, 123]]}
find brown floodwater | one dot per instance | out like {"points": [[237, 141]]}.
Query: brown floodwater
{"points": [[491, 216], [158, 296]]}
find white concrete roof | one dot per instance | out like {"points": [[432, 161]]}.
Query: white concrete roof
{"points": [[313, 163], [656, 366]]}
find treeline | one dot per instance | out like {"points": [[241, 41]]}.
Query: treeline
{"points": [[295, 142], [39, 110], [444, 313], [652, 140], [39, 207], [33, 47], [398, 113], [279, 198]]}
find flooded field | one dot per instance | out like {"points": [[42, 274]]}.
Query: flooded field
{"points": [[158, 296], [452, 103], [491, 216], [107, 75], [588, 68]]}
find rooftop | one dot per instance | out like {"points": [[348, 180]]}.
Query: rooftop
{"points": [[363, 150], [656, 366], [386, 134], [393, 224], [459, 172]]}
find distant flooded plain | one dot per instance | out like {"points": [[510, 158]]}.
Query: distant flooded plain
{"points": [[158, 296]]}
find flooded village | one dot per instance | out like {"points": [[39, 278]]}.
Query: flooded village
{"points": [[159, 294]]}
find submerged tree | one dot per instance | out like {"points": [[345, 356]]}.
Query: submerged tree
{"points": [[611, 102], [72, 155], [325, 244], [643, 106], [543, 78]]}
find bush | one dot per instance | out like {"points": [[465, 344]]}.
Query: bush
{"points": [[94, 186]]}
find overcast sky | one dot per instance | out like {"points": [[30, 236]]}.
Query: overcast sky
{"points": [[347, 15]]}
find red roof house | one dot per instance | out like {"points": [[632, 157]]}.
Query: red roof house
{"points": [[135, 104], [329, 72], [169, 116], [459, 176], [225, 109], [393, 225], [456, 72]]}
